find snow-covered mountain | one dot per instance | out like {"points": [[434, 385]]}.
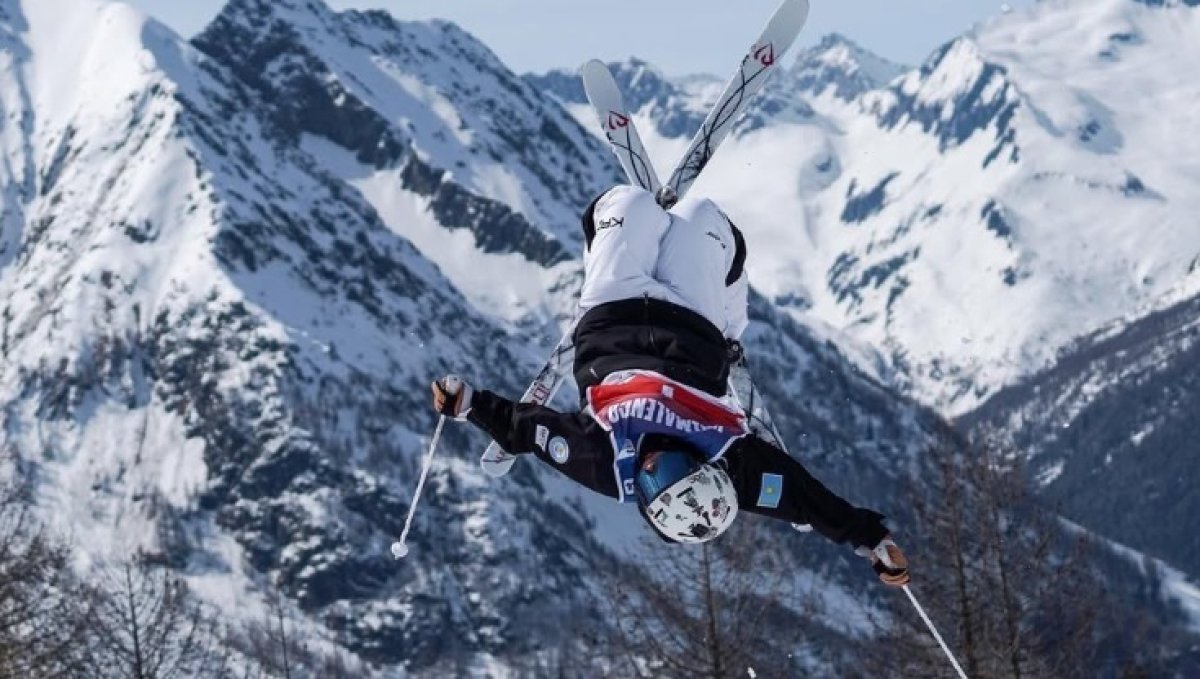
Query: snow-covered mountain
{"points": [[838, 64], [214, 345], [1052, 186], [1110, 430], [230, 268], [488, 153]]}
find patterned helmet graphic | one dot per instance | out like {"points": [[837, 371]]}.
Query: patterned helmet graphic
{"points": [[695, 506]]}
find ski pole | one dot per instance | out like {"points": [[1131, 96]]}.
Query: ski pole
{"points": [[399, 548], [929, 624]]}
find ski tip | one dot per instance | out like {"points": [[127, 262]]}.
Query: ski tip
{"points": [[592, 65], [790, 18], [781, 31], [796, 8]]}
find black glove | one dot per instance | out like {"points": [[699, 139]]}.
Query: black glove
{"points": [[452, 397]]}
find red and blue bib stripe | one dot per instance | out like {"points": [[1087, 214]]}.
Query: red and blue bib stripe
{"points": [[633, 403]]}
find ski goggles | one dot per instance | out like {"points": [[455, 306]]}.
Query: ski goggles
{"points": [[660, 471]]}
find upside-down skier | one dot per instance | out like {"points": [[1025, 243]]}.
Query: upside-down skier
{"points": [[663, 300]]}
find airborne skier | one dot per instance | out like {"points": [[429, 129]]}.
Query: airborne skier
{"points": [[663, 301]]}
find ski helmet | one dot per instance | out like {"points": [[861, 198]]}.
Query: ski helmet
{"points": [[683, 498]]}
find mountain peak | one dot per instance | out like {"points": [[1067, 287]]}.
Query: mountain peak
{"points": [[374, 30], [835, 40], [390, 90], [311, 17], [954, 94], [278, 8], [839, 63]]}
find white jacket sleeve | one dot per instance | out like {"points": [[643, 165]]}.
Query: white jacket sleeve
{"points": [[737, 287], [736, 306]]}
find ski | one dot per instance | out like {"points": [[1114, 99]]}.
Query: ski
{"points": [[742, 388], [758, 64], [617, 123], [616, 120]]}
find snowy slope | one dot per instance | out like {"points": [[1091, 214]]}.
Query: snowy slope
{"points": [[1109, 431], [1008, 196], [1076, 210]]}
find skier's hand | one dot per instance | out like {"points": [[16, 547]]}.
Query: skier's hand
{"points": [[890, 563], [452, 397]]}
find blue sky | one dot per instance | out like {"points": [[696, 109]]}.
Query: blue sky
{"points": [[678, 36]]}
